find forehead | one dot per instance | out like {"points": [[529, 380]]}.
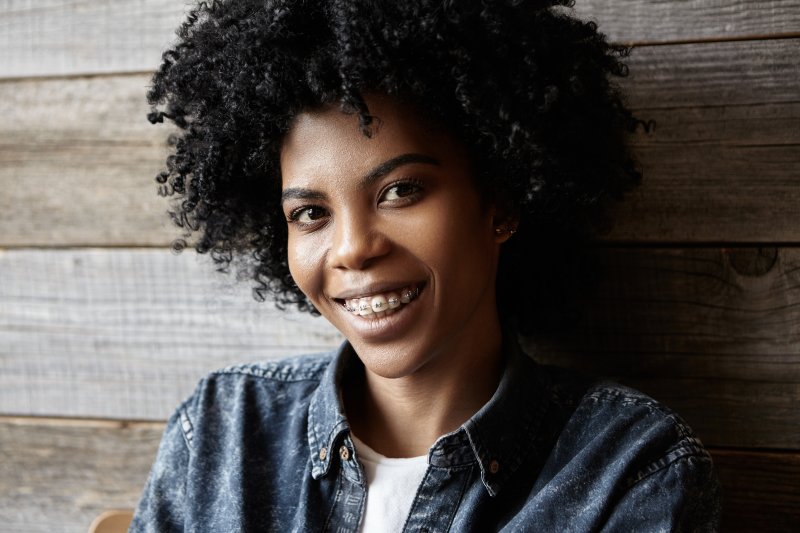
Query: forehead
{"points": [[328, 143]]}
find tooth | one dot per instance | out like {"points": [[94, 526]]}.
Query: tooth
{"points": [[364, 307], [379, 303], [406, 295], [393, 300]]}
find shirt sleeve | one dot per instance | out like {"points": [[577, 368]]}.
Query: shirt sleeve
{"points": [[682, 496], [161, 507]]}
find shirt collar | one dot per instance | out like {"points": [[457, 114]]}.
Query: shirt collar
{"points": [[500, 436], [504, 432], [326, 420]]}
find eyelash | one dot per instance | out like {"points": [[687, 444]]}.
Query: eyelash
{"points": [[294, 214], [402, 200], [414, 184]]}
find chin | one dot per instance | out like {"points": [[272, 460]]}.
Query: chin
{"points": [[389, 361]]}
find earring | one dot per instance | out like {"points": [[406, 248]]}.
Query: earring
{"points": [[502, 229]]}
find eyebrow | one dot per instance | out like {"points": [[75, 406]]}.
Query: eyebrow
{"points": [[300, 193]]}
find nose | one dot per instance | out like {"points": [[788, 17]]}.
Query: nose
{"points": [[358, 242]]}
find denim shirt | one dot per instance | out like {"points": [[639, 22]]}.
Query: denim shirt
{"points": [[266, 447]]}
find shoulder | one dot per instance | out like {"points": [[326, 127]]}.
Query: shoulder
{"points": [[297, 368], [269, 391], [619, 410], [653, 459], [635, 435], [299, 372], [626, 460]]}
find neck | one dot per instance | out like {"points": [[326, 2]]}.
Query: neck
{"points": [[403, 417]]}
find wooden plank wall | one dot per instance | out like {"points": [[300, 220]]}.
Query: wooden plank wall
{"points": [[103, 330]]}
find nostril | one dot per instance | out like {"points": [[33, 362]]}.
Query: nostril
{"points": [[357, 244]]}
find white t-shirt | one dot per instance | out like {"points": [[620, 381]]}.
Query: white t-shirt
{"points": [[391, 487]]}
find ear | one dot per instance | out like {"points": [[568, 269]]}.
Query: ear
{"points": [[505, 224]]}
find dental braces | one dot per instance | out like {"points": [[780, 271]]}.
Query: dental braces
{"points": [[410, 294]]}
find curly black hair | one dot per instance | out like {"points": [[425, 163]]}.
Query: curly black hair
{"points": [[526, 87]]}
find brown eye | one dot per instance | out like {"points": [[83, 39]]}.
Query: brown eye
{"points": [[307, 215], [400, 191]]}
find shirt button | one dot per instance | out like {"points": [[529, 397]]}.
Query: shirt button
{"points": [[494, 466], [323, 453], [344, 453]]}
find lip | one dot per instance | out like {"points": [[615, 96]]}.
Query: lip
{"points": [[388, 327]]}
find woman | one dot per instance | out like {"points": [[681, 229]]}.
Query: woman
{"points": [[417, 173]]}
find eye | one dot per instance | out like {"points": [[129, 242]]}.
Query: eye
{"points": [[401, 192], [306, 215]]}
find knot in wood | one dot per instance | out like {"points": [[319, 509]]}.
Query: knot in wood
{"points": [[753, 262]]}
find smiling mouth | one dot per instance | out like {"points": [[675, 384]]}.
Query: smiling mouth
{"points": [[382, 304]]}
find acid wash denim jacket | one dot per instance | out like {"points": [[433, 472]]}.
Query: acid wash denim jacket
{"points": [[266, 447]]}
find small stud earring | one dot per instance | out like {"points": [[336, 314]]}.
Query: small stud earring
{"points": [[502, 229]]}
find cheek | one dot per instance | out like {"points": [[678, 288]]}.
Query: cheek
{"points": [[455, 235], [305, 264]]}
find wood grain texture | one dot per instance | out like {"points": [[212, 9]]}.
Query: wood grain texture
{"points": [[714, 74], [58, 475], [716, 174], [70, 37], [77, 161], [761, 491], [723, 161], [77, 157], [712, 333], [127, 334], [671, 20]]}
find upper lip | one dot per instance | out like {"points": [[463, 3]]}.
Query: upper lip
{"points": [[372, 288]]}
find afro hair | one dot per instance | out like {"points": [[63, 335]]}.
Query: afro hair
{"points": [[525, 86]]}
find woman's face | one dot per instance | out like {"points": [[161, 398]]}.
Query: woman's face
{"points": [[388, 236]]}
